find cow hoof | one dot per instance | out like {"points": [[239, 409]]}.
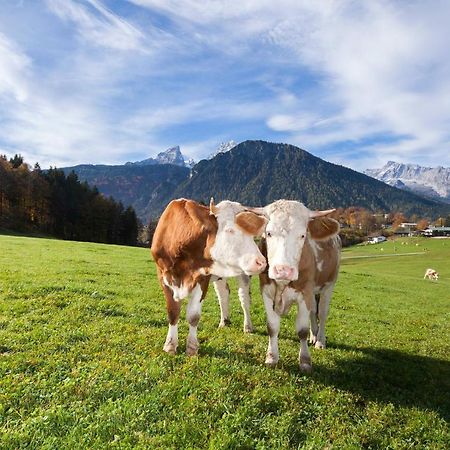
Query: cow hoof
{"points": [[248, 328], [191, 348], [170, 348], [224, 323], [312, 339], [319, 344], [305, 368], [271, 361]]}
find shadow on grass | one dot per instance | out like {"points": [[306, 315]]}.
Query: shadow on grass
{"points": [[380, 375], [389, 376]]}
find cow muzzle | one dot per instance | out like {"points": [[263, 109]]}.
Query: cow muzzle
{"points": [[283, 272], [257, 266]]}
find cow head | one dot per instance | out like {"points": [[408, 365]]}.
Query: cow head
{"points": [[290, 224], [234, 250]]}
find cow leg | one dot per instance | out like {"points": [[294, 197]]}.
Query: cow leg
{"points": [[173, 314], [273, 328], [302, 329], [314, 323], [193, 311], [244, 297], [223, 294], [324, 306]]}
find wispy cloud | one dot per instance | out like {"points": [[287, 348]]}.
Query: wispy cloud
{"points": [[14, 65], [353, 82], [103, 28]]}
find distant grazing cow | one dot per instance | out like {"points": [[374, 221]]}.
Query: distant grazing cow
{"points": [[431, 274], [193, 242], [303, 254]]}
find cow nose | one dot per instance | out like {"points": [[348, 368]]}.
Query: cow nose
{"points": [[283, 272], [261, 262]]}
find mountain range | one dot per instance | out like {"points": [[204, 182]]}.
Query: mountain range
{"points": [[431, 182], [253, 173]]}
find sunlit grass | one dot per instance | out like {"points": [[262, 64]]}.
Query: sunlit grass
{"points": [[81, 364]]}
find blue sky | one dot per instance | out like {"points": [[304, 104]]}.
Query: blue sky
{"points": [[109, 81]]}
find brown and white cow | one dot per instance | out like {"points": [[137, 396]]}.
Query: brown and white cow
{"points": [[303, 254], [193, 242], [431, 274]]}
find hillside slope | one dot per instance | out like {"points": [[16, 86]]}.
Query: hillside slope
{"points": [[258, 172], [141, 186]]}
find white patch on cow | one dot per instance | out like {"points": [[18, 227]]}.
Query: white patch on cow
{"points": [[302, 323], [223, 295], [171, 343], [285, 237], [244, 297], [193, 312], [179, 292], [234, 251], [317, 250], [273, 327]]}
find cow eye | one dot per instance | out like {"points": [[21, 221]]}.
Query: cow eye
{"points": [[303, 236], [230, 230], [269, 234]]}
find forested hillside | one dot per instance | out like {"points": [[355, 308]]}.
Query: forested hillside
{"points": [[258, 172], [146, 187], [60, 205]]}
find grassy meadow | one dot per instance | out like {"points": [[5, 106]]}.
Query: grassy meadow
{"points": [[81, 363]]}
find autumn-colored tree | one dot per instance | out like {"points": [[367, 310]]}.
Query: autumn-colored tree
{"points": [[398, 219], [422, 224]]}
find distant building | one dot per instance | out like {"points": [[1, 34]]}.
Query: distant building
{"points": [[436, 231], [410, 225], [406, 229], [376, 239]]}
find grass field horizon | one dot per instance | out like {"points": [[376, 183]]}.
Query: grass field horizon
{"points": [[82, 327]]}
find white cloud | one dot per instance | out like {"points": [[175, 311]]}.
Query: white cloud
{"points": [[315, 74], [103, 28], [14, 65]]}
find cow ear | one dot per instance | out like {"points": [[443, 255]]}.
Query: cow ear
{"points": [[323, 228], [251, 223], [200, 215]]}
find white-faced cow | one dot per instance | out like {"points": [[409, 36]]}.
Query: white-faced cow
{"points": [[193, 242], [303, 253]]}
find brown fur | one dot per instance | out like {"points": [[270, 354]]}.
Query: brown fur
{"points": [[251, 223], [323, 228], [183, 237], [309, 276]]}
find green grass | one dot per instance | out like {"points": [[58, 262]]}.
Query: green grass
{"points": [[81, 363]]}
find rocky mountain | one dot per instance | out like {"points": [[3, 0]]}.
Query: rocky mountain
{"points": [[254, 173], [258, 172], [172, 155], [431, 182], [223, 148]]}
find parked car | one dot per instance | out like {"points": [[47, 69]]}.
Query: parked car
{"points": [[376, 239]]}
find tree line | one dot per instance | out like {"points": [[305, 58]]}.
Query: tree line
{"points": [[58, 205]]}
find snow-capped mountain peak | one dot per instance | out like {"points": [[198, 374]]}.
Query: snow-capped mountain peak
{"points": [[223, 148], [172, 155], [433, 182]]}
